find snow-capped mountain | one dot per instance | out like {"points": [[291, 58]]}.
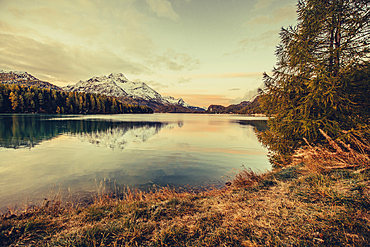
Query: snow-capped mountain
{"points": [[179, 101], [116, 84], [23, 78]]}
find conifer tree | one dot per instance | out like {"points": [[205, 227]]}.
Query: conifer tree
{"points": [[40, 99], [1, 100], [321, 80], [20, 103], [14, 99]]}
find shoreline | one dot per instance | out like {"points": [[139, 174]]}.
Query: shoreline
{"points": [[292, 206]]}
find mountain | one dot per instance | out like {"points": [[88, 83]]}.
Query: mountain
{"points": [[117, 85], [173, 109], [227, 109], [252, 108], [245, 107], [25, 79]]}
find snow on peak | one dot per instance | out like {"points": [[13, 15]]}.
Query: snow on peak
{"points": [[23, 75], [118, 76], [171, 100], [14, 72], [116, 84]]}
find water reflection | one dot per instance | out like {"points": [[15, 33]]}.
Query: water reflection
{"points": [[260, 125], [26, 131], [143, 150], [121, 135]]}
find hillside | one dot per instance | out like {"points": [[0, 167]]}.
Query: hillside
{"points": [[173, 109], [24, 79], [252, 108], [245, 107]]}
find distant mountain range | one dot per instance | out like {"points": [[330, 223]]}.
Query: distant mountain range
{"points": [[115, 85], [130, 92]]}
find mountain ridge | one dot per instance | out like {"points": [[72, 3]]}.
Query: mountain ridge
{"points": [[117, 85], [25, 79], [244, 107]]}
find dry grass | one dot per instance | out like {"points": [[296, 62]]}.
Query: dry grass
{"points": [[340, 156], [287, 207]]}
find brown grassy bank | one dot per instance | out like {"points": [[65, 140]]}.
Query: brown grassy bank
{"points": [[323, 203]]}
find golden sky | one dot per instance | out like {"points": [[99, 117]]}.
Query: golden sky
{"points": [[205, 51]]}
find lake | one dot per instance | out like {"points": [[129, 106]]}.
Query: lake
{"points": [[81, 156]]}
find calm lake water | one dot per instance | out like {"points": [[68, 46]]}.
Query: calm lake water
{"points": [[82, 156]]}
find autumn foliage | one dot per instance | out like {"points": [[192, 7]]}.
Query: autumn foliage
{"points": [[19, 99]]}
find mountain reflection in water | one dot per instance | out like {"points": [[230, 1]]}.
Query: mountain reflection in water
{"points": [[26, 131], [85, 154]]}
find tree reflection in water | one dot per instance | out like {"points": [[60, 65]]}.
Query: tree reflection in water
{"points": [[28, 130]]}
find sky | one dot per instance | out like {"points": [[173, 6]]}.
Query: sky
{"points": [[205, 51]]}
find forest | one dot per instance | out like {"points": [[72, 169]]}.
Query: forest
{"points": [[22, 99]]}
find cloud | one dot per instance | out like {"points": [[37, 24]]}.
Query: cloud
{"points": [[155, 85], [234, 89], [160, 85], [80, 18], [183, 80], [186, 78], [72, 40], [203, 100], [56, 60], [247, 96], [276, 16], [265, 40], [163, 8], [261, 4], [225, 75], [174, 61]]}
